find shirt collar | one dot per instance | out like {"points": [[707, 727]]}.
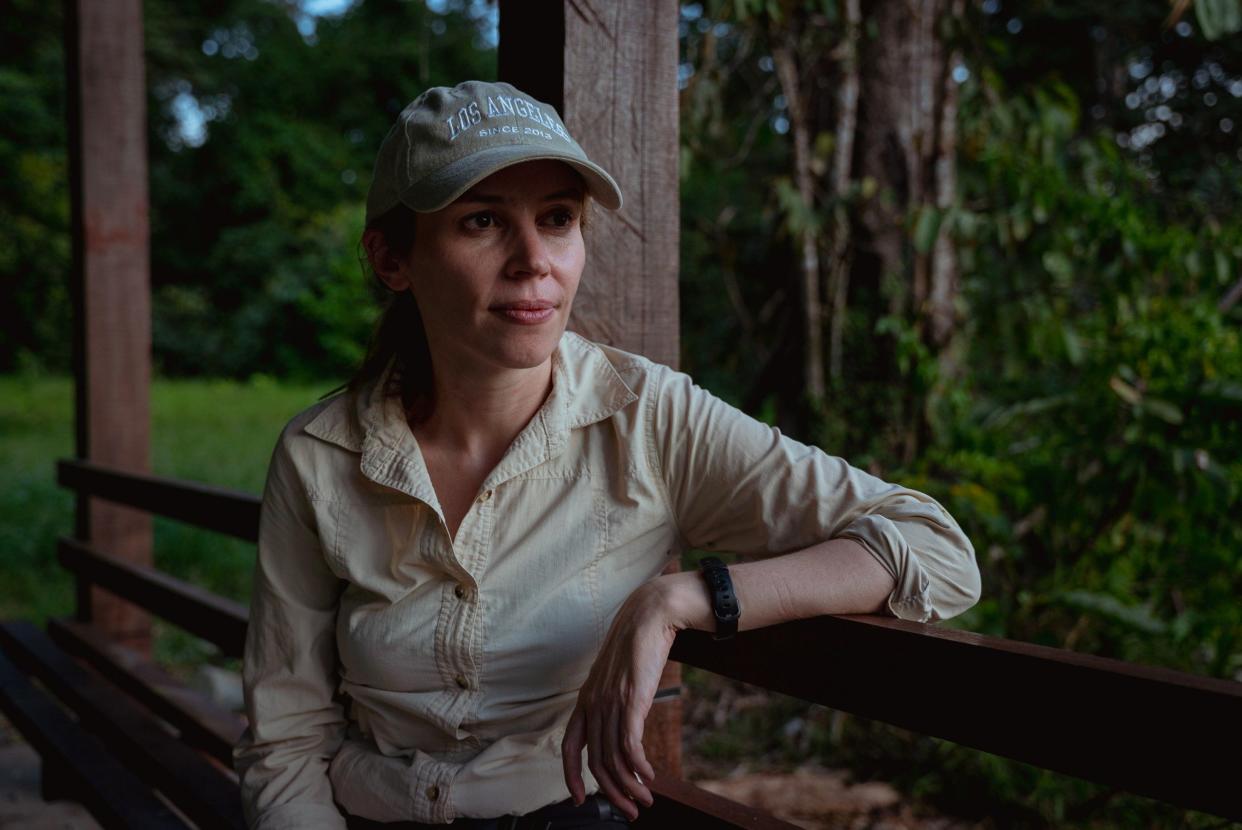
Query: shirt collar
{"points": [[586, 389]]}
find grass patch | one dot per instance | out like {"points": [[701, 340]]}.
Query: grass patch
{"points": [[214, 431]]}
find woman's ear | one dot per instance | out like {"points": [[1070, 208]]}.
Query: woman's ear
{"points": [[388, 267]]}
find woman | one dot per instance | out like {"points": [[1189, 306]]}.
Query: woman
{"points": [[458, 591]]}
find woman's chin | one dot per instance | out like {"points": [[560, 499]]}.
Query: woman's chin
{"points": [[532, 349]]}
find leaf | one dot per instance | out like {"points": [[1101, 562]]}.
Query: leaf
{"points": [[1221, 261], [1058, 265], [1111, 608], [1073, 346], [926, 227], [1218, 17], [1164, 410], [1125, 391], [1035, 406], [1223, 391]]}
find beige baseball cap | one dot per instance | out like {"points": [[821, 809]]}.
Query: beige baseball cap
{"points": [[450, 138]]}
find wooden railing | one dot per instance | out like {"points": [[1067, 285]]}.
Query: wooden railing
{"points": [[1150, 731]]}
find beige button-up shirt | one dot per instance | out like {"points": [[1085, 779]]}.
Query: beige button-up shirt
{"points": [[403, 674]]}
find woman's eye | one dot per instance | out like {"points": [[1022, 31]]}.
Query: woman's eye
{"points": [[561, 218], [479, 221]]}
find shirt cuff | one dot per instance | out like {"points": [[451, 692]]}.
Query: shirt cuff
{"points": [[371, 785], [911, 597]]}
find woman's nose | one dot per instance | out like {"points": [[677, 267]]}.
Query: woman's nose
{"points": [[528, 255]]}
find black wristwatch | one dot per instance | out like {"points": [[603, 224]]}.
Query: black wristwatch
{"points": [[724, 602]]}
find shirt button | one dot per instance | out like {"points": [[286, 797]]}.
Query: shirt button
{"points": [[461, 681], [459, 591], [433, 792], [484, 496]]}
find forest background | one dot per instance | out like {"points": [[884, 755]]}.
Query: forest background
{"points": [[990, 249]]}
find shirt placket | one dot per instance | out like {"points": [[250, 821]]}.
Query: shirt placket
{"points": [[461, 626]]}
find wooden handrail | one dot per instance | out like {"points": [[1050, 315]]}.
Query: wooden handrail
{"points": [[202, 613], [1139, 728], [1143, 729], [231, 512]]}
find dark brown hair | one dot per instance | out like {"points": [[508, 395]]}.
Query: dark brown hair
{"points": [[399, 336]]}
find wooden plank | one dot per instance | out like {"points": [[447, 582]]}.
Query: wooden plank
{"points": [[679, 803], [1138, 728], [187, 779], [621, 104], [217, 620], [107, 130], [220, 509], [531, 53], [113, 795], [200, 722]]}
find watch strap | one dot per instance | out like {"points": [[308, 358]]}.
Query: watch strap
{"points": [[725, 606]]}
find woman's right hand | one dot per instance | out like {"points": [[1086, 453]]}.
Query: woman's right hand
{"points": [[613, 702]]}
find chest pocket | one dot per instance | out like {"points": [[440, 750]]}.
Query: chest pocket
{"points": [[378, 545], [540, 588]]}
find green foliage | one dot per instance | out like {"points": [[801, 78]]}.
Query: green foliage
{"points": [[255, 217], [255, 231], [1086, 433], [1218, 18], [220, 432], [1103, 386], [34, 206]]}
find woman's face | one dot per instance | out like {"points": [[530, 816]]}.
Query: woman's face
{"points": [[496, 271]]}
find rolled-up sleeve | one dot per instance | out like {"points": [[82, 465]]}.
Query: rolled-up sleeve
{"points": [[736, 484], [290, 666]]}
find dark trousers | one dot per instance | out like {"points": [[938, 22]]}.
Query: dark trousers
{"points": [[596, 813]]}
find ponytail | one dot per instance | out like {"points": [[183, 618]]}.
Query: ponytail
{"points": [[399, 338]]}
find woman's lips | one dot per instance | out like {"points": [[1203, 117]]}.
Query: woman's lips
{"points": [[526, 313]]}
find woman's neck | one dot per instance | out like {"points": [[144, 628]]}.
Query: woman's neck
{"points": [[479, 415]]}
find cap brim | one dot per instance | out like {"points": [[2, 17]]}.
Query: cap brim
{"points": [[445, 185]]}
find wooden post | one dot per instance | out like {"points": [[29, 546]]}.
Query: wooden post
{"points": [[110, 278], [610, 67]]}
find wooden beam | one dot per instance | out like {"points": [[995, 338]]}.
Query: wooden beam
{"points": [[531, 53], [195, 785], [1138, 728], [111, 286], [202, 505], [217, 620], [679, 803]]}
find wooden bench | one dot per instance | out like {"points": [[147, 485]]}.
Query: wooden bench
{"points": [[142, 741]]}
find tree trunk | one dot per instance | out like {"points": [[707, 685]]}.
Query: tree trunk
{"points": [[784, 51], [842, 172], [907, 142]]}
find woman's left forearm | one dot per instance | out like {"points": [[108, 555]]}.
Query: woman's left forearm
{"points": [[838, 576]]}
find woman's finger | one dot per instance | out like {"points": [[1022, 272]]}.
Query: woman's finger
{"points": [[613, 757], [624, 769], [598, 764], [611, 751], [636, 755], [571, 755]]}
